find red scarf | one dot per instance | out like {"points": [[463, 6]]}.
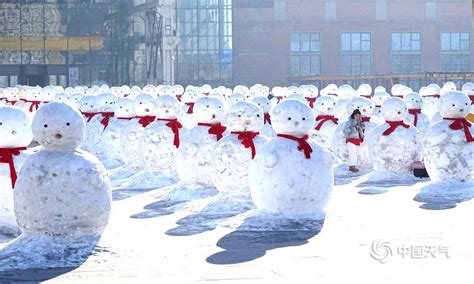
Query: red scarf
{"points": [[215, 129], [311, 102], [145, 120], [267, 118], [367, 96], [191, 108], [461, 123], [126, 118], [472, 99], [433, 96], [106, 118], [34, 104], [394, 125], [365, 119], [178, 97], [11, 102], [175, 126], [247, 140], [332, 94], [279, 98], [355, 141], [323, 119], [6, 157], [415, 112], [302, 144], [90, 115]]}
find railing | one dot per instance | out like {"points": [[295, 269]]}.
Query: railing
{"points": [[414, 80]]}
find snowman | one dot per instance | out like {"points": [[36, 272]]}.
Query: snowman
{"points": [[32, 100], [365, 90], [189, 98], [326, 121], [197, 147], [178, 91], [161, 139], [61, 97], [48, 93], [310, 93], [344, 93], [15, 130], [468, 89], [132, 134], [235, 98], [265, 104], [291, 174], [61, 191], [112, 155], [235, 151], [339, 146], [431, 95], [380, 89], [395, 145], [414, 104], [99, 123], [278, 94], [449, 145], [89, 109], [379, 98]]}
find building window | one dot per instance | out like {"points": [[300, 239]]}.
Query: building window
{"points": [[355, 53], [455, 52], [305, 54], [406, 52]]}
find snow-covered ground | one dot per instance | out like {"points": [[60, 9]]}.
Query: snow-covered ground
{"points": [[372, 233]]}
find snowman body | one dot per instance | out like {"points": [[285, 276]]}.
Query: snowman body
{"points": [[448, 150], [197, 148], [378, 99], [288, 176], [61, 191], [235, 151], [415, 116], [264, 103], [188, 100]]}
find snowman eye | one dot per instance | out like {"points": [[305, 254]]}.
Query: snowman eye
{"points": [[207, 106], [454, 105], [1, 123], [289, 118], [304, 118], [258, 115], [45, 126], [68, 124]]}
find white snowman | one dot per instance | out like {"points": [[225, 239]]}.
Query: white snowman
{"points": [[365, 90], [395, 145], [265, 104], [61, 191], [161, 139], [197, 147], [379, 98], [32, 100], [431, 95], [235, 98], [339, 146], [468, 89], [12, 96], [344, 93], [235, 151], [48, 93], [15, 130], [310, 93], [278, 95], [291, 174], [449, 144], [414, 104], [112, 155], [326, 121]]}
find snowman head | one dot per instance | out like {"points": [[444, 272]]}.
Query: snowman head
{"points": [[94, 91], [82, 90], [116, 91], [88, 104], [35, 94], [263, 103], [167, 107], [48, 93], [293, 90], [468, 88], [413, 101], [209, 110], [144, 105], [75, 98], [12, 94], [396, 90], [15, 128], [278, 91], [22, 91], [345, 92], [235, 98], [454, 105], [433, 89], [190, 96], [125, 90], [448, 87], [379, 98], [292, 117], [331, 89], [58, 126], [178, 90], [379, 89], [69, 91], [365, 90], [297, 97], [364, 105], [61, 97], [124, 108], [394, 109], [326, 105], [309, 91], [244, 116], [219, 96], [166, 91], [105, 102]]}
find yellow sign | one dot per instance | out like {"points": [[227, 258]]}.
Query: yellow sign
{"points": [[84, 43]]}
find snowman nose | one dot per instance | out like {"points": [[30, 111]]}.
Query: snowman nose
{"points": [[58, 136], [248, 122], [461, 110], [14, 132], [213, 116]]}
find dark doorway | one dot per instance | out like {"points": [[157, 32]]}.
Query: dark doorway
{"points": [[33, 80], [33, 75]]}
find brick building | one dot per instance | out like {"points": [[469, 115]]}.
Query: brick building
{"points": [[288, 41]]}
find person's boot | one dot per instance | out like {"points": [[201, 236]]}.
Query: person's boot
{"points": [[353, 169]]}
